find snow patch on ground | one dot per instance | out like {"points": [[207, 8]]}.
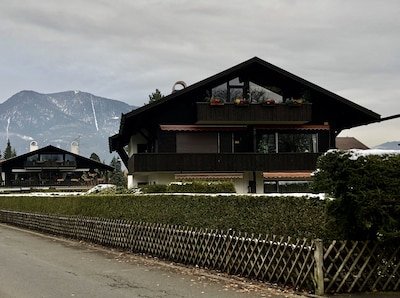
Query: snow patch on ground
{"points": [[41, 194], [97, 188], [320, 196]]}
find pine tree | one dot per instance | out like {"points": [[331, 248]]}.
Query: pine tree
{"points": [[117, 177], [9, 152], [155, 96], [95, 157]]}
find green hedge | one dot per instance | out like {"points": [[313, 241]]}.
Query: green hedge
{"points": [[191, 187], [285, 216]]}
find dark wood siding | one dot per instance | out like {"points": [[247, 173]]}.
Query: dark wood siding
{"points": [[167, 142], [323, 141]]}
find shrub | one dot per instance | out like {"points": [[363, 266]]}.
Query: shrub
{"points": [[366, 192], [202, 187], [154, 188]]}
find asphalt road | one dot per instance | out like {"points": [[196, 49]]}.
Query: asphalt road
{"points": [[35, 265]]}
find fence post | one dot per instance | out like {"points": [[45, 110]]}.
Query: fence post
{"points": [[318, 268]]}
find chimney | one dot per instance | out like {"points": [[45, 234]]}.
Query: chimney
{"points": [[75, 147], [33, 146]]}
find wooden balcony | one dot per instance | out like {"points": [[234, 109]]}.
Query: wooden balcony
{"points": [[54, 183], [230, 113], [222, 162]]}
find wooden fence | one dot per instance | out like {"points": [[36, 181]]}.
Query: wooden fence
{"points": [[360, 266], [340, 266]]}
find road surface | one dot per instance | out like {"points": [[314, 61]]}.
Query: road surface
{"points": [[36, 265]]}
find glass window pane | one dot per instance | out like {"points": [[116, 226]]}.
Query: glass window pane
{"points": [[236, 93], [236, 82], [260, 94], [33, 157], [69, 157], [294, 186], [270, 186], [266, 143], [219, 92], [297, 142]]}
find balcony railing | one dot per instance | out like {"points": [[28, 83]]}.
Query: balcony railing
{"points": [[230, 113], [30, 182], [222, 162]]}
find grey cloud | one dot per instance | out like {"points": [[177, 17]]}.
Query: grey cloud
{"points": [[126, 49]]}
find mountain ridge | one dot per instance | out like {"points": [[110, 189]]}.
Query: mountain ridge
{"points": [[392, 145], [60, 118]]}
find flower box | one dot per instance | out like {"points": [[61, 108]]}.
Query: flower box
{"points": [[240, 102], [216, 102], [268, 103]]}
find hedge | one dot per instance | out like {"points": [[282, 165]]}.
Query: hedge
{"points": [[191, 187], [300, 217]]}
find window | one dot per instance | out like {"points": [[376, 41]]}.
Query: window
{"points": [[51, 157], [286, 142], [33, 157], [259, 94], [297, 142], [220, 92], [231, 90], [286, 186], [293, 186], [236, 88], [267, 143], [69, 157]]}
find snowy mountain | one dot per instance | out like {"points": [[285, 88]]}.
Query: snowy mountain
{"points": [[389, 146], [58, 119]]}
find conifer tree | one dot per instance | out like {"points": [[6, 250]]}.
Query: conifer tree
{"points": [[155, 96], [95, 157], [117, 177], [9, 152], [364, 192]]}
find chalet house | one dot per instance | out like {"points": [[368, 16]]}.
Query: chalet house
{"points": [[254, 123], [52, 167]]}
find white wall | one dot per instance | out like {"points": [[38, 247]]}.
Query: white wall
{"points": [[133, 142], [150, 178], [242, 185]]}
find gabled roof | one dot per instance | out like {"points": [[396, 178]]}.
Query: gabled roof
{"points": [[259, 71], [232, 72], [52, 149]]}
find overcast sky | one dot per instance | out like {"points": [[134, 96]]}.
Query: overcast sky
{"points": [[125, 49]]}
